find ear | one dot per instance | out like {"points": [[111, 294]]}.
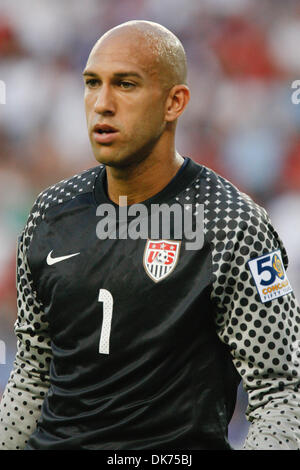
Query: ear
{"points": [[176, 102]]}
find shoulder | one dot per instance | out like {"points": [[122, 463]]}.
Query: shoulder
{"points": [[237, 228], [232, 216], [59, 193], [225, 200], [67, 189], [234, 223]]}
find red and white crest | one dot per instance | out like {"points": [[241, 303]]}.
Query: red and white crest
{"points": [[160, 258]]}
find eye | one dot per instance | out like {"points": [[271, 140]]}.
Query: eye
{"points": [[126, 85], [92, 82]]}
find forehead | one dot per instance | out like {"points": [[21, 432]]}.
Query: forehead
{"points": [[124, 50]]}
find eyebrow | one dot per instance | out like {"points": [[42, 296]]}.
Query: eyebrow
{"points": [[117, 74]]}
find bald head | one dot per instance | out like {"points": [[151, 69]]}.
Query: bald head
{"points": [[135, 83], [164, 52]]}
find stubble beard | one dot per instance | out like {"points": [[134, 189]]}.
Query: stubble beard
{"points": [[123, 159]]}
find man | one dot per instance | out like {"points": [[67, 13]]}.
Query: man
{"points": [[140, 343]]}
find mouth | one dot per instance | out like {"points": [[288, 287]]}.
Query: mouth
{"points": [[103, 133]]}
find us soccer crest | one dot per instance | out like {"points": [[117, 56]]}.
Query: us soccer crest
{"points": [[160, 258]]}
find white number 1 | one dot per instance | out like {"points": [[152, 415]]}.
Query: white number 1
{"points": [[108, 302]]}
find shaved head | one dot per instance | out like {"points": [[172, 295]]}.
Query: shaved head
{"points": [[164, 51], [135, 86]]}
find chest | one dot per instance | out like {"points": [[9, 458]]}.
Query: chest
{"points": [[119, 290]]}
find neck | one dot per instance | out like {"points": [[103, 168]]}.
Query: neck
{"points": [[141, 182]]}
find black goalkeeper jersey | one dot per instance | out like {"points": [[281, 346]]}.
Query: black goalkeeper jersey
{"points": [[141, 343], [167, 381]]}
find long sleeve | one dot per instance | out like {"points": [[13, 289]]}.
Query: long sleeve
{"points": [[28, 384], [261, 333]]}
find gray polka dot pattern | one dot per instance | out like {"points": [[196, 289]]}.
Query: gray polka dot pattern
{"points": [[29, 380], [261, 337], [68, 189]]}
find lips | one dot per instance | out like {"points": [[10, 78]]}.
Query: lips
{"points": [[104, 133]]}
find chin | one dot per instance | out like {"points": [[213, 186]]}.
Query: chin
{"points": [[112, 159], [125, 157]]}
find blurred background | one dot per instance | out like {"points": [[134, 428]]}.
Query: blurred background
{"points": [[243, 56]]}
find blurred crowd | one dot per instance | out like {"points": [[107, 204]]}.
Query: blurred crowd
{"points": [[243, 56]]}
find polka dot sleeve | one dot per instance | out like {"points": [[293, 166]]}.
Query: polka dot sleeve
{"points": [[22, 400], [263, 338], [20, 407]]}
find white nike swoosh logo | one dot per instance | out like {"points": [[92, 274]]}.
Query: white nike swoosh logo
{"points": [[51, 260]]}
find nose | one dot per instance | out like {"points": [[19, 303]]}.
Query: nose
{"points": [[104, 103]]}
